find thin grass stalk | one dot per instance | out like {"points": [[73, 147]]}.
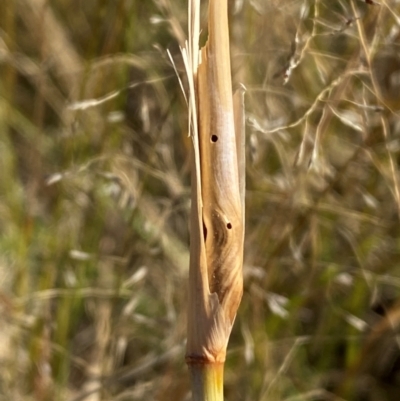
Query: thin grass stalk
{"points": [[217, 216]]}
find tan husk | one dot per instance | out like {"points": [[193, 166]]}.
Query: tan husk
{"points": [[215, 282]]}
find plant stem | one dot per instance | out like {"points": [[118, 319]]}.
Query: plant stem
{"points": [[207, 381]]}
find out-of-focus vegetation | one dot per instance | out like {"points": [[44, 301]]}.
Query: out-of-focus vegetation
{"points": [[94, 201]]}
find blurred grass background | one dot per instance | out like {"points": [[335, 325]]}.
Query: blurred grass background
{"points": [[94, 201]]}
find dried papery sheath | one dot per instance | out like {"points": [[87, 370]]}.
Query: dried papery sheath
{"points": [[217, 217]]}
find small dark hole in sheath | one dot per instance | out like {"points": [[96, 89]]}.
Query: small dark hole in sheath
{"points": [[229, 226], [214, 138], [204, 231]]}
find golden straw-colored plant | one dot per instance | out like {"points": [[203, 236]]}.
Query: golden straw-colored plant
{"points": [[217, 217]]}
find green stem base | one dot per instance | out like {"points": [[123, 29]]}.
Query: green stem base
{"points": [[207, 382]]}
